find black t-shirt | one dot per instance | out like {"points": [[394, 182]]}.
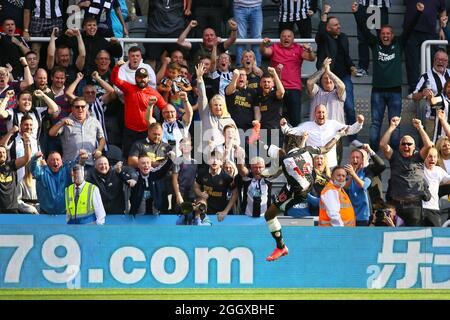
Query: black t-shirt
{"points": [[199, 51], [153, 150], [271, 109], [407, 177], [8, 186], [240, 105], [253, 80], [339, 66], [218, 188]]}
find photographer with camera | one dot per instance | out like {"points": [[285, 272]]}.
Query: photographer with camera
{"points": [[385, 217], [193, 214]]}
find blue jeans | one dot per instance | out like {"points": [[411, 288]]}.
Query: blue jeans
{"points": [[349, 104], [292, 106], [250, 23], [378, 101]]}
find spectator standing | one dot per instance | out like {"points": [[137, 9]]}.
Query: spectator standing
{"points": [[183, 174], [156, 150], [61, 54], [137, 98], [435, 176], [387, 52], [83, 201], [366, 8], [222, 72], [330, 93], [15, 142], [13, 10], [80, 131], [101, 10], [254, 73], [216, 187], [257, 191], [32, 61], [214, 116], [249, 18], [145, 194], [210, 40], [298, 13], [334, 44], [241, 100], [175, 130], [407, 188], [269, 105], [13, 47], [52, 178], [424, 30], [432, 84], [321, 130], [110, 184], [287, 57], [25, 106], [127, 71], [336, 209], [9, 184], [357, 186]]}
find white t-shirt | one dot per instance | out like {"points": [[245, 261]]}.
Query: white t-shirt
{"points": [[434, 177]]}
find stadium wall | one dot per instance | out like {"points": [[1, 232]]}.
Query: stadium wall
{"points": [[221, 256]]}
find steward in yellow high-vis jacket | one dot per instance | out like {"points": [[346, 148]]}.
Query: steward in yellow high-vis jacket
{"points": [[83, 200]]}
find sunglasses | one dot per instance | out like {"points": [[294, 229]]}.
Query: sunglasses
{"points": [[409, 144], [79, 107]]}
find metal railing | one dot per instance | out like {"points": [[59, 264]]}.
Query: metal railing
{"points": [[425, 53]]}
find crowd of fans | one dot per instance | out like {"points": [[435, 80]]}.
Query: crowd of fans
{"points": [[84, 133]]}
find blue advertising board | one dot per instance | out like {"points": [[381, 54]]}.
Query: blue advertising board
{"points": [[228, 256]]}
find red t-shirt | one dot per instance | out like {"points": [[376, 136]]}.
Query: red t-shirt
{"points": [[136, 101], [291, 59]]}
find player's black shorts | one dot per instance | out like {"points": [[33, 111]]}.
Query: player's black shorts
{"points": [[289, 196]]}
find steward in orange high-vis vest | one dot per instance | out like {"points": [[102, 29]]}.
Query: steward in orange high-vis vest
{"points": [[335, 206]]}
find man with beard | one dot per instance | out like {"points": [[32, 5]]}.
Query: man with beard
{"points": [[297, 164], [137, 98]]}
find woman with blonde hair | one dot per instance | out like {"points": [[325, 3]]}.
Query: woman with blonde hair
{"points": [[443, 161], [214, 116], [443, 148]]}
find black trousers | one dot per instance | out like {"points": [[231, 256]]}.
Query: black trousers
{"points": [[410, 212]]}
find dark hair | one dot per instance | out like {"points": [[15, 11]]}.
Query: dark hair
{"points": [[58, 69], [26, 117], [134, 49], [78, 99], [30, 53], [154, 125], [174, 66], [89, 19], [337, 168], [24, 92]]}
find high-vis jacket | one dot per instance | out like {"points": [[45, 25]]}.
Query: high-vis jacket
{"points": [[346, 209], [83, 211]]}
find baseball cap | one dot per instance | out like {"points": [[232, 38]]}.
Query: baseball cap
{"points": [[142, 72]]}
